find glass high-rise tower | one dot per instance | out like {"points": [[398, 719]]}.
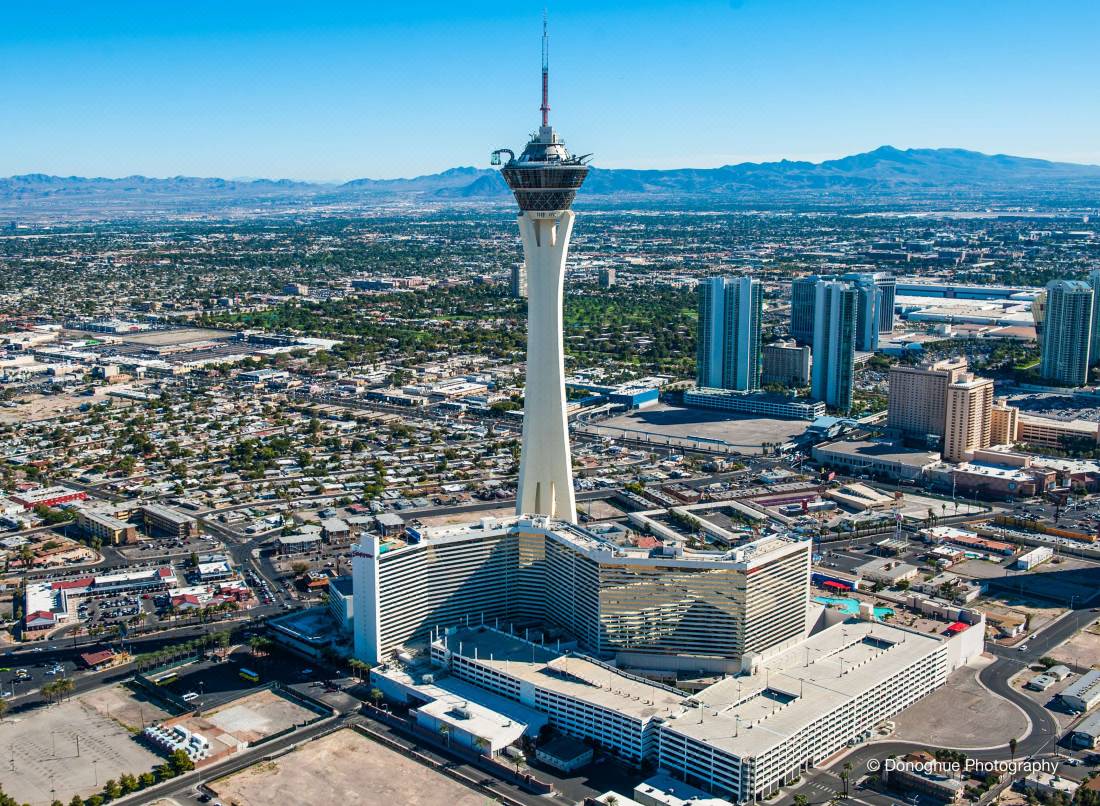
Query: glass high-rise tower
{"points": [[728, 346], [834, 344], [1067, 332]]}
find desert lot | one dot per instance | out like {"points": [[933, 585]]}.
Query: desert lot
{"points": [[343, 767]]}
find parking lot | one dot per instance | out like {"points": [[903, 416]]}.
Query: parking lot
{"points": [[74, 747]]}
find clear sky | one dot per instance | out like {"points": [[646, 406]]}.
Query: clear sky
{"points": [[339, 90]]}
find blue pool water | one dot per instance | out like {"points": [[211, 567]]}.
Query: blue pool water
{"points": [[851, 606]]}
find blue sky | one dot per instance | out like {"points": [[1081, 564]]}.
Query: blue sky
{"points": [[334, 90]]}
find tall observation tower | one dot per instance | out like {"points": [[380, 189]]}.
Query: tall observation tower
{"points": [[545, 178]]}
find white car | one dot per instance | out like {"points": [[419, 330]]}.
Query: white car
{"points": [[190, 696]]}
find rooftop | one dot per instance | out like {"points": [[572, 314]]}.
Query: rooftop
{"points": [[747, 715]]}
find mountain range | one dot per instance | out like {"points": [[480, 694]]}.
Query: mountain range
{"points": [[886, 175]]}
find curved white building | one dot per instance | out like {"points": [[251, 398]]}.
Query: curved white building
{"points": [[675, 609]]}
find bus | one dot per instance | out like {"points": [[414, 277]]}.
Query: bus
{"points": [[249, 675], [166, 678]]}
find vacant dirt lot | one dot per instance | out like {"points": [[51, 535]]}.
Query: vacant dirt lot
{"points": [[247, 720], [1081, 650], [129, 708], [343, 767]]}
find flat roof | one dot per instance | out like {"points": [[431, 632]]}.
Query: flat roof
{"points": [[880, 452], [748, 715], [569, 675], [603, 547]]}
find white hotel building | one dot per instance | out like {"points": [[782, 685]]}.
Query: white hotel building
{"points": [[666, 608], [800, 683], [743, 737]]}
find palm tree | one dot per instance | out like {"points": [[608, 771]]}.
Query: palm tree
{"points": [[376, 696], [801, 800], [845, 774], [445, 733], [1012, 748]]}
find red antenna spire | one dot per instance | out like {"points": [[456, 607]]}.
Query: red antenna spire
{"points": [[545, 73]]}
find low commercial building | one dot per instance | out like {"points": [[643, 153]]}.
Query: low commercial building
{"points": [[1083, 694], [1047, 784], [968, 540], [468, 724], [888, 459], [761, 404], [310, 632], [921, 774], [47, 496], [886, 572], [1033, 558], [1040, 682], [997, 474], [664, 790], [565, 754], [1043, 432], [1086, 735]]}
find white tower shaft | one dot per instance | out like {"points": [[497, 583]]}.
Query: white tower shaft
{"points": [[545, 471]]}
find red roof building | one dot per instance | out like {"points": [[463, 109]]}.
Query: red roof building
{"points": [[94, 660], [39, 620]]}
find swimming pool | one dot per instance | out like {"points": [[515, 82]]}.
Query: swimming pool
{"points": [[851, 606]]}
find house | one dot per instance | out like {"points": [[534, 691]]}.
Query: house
{"points": [[1047, 784], [336, 530], [390, 524]]}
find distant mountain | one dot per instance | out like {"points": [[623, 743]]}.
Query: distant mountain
{"points": [[886, 175]]}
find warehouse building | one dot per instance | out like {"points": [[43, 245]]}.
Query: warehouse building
{"points": [[1083, 694]]}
